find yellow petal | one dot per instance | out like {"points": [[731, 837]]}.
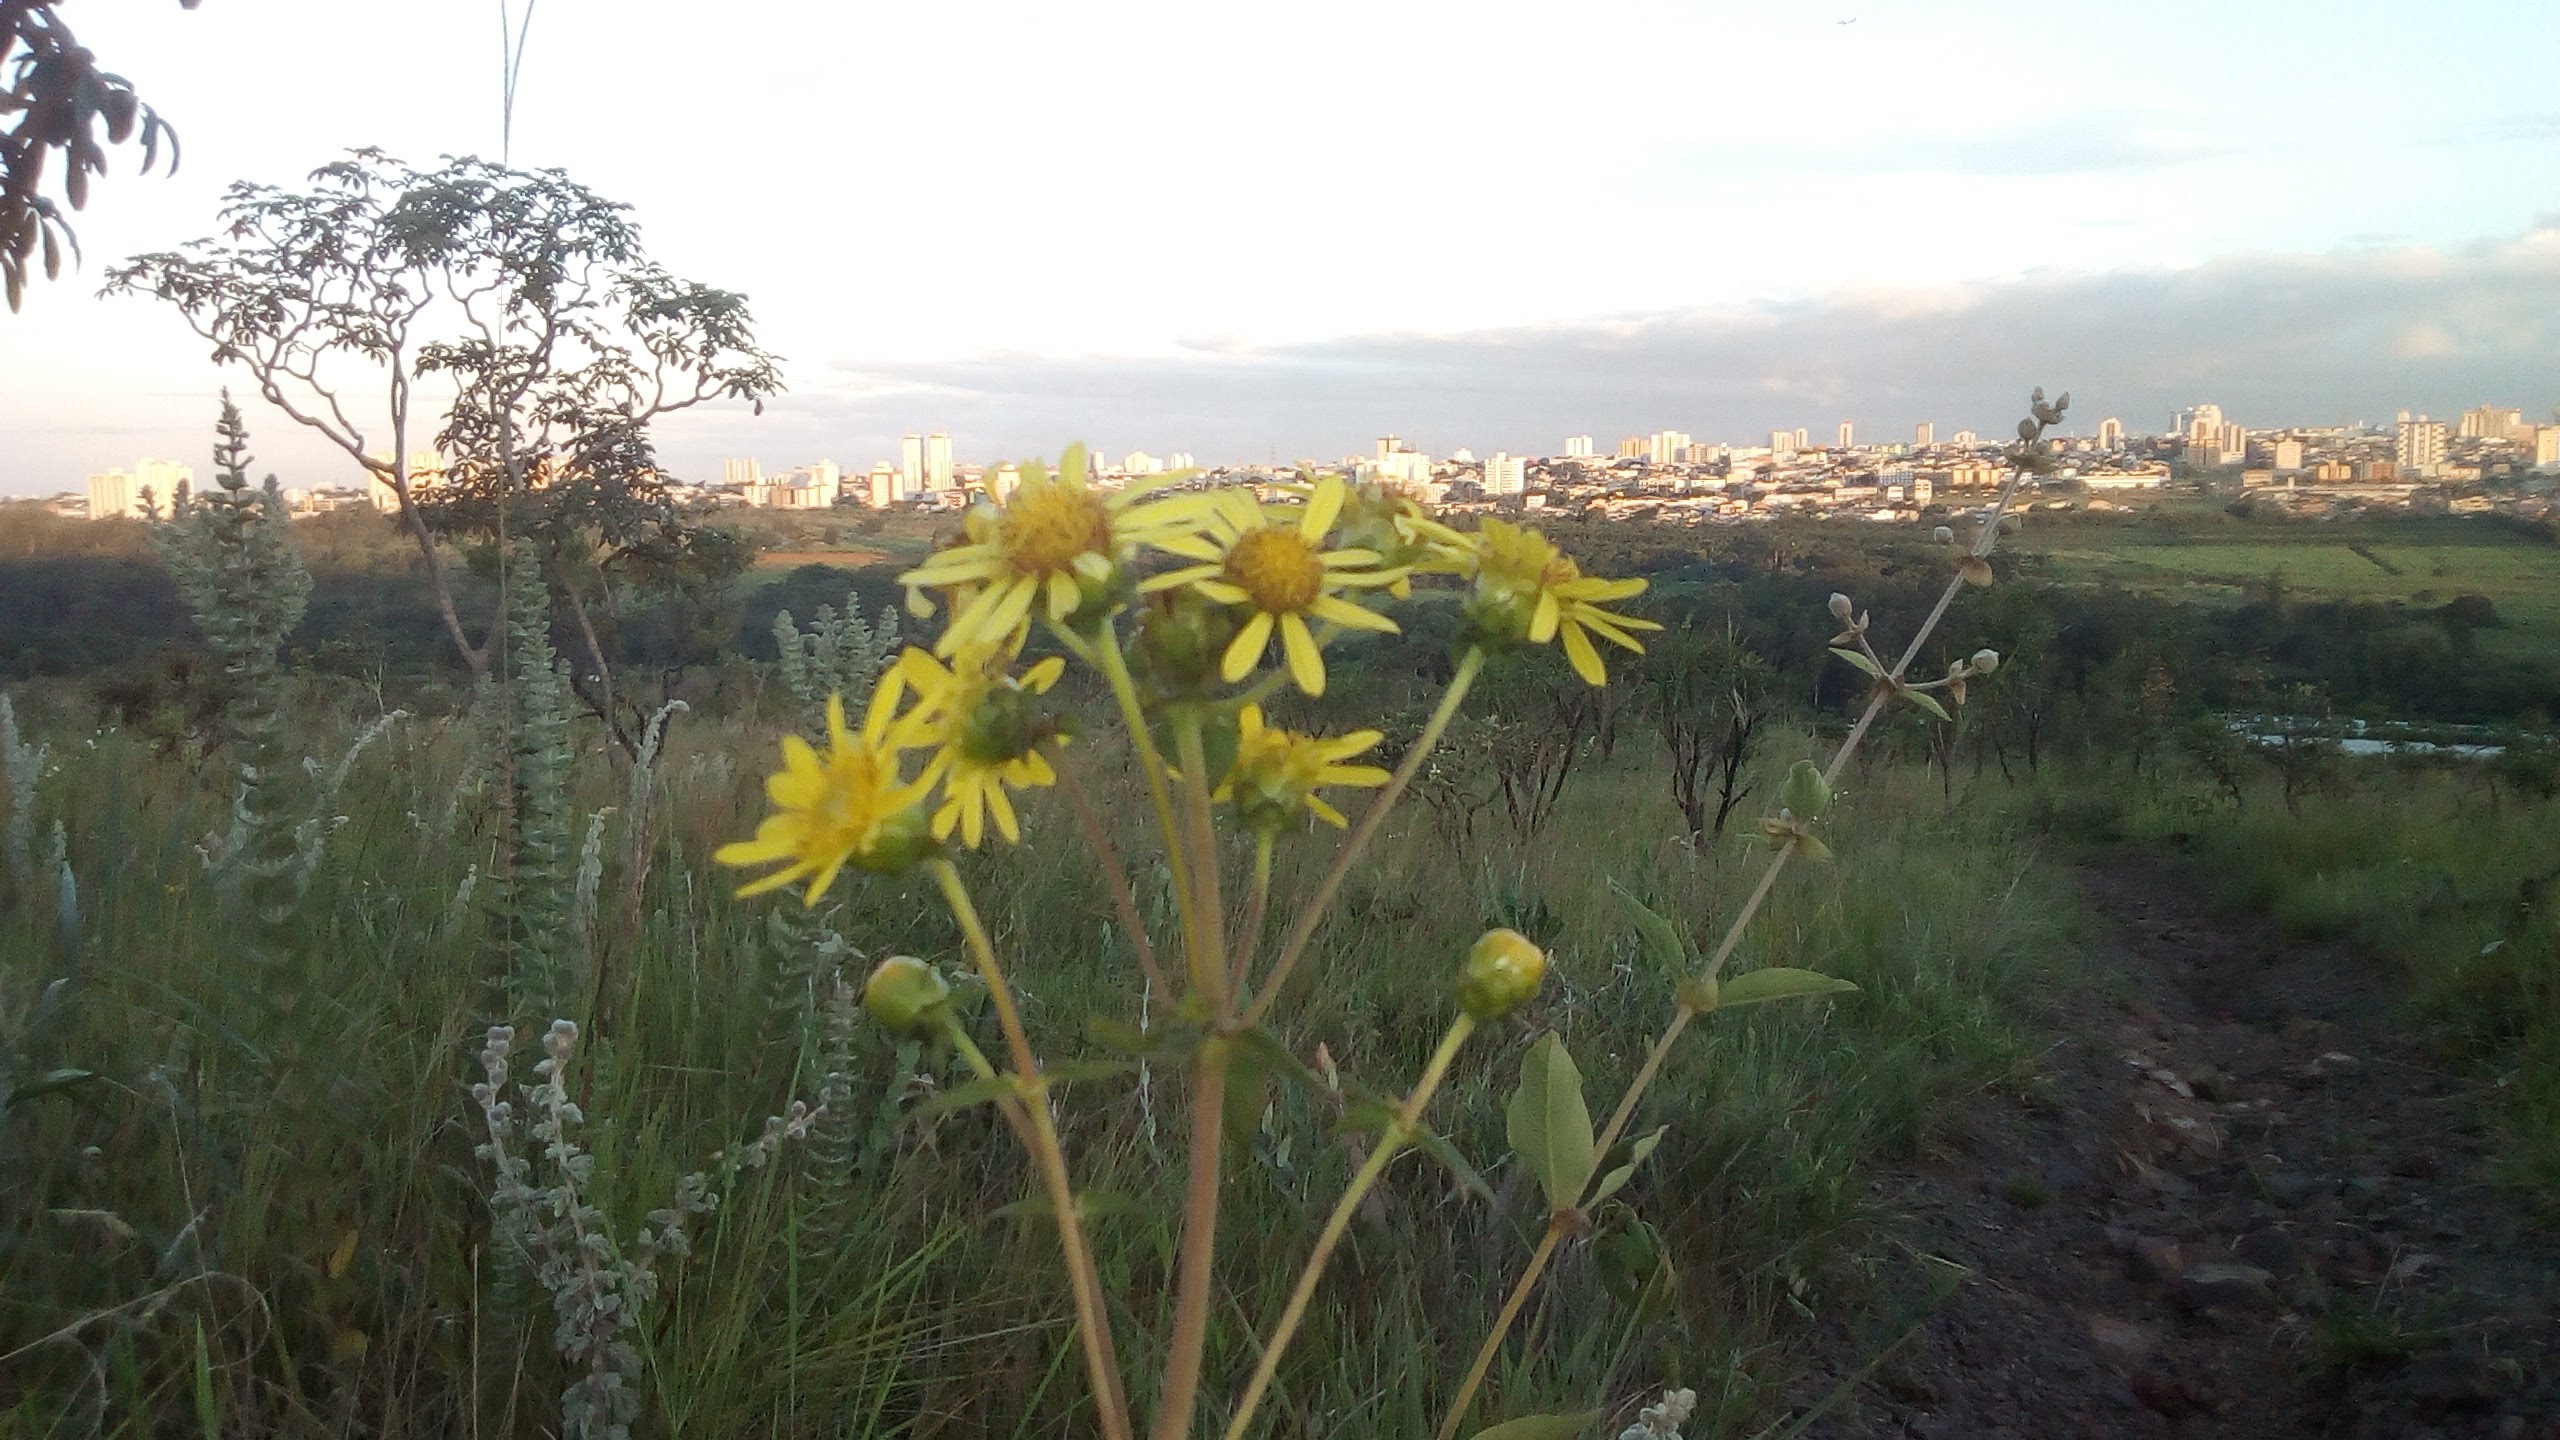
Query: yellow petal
{"points": [[1322, 508], [1542, 624], [825, 877], [1328, 814], [774, 881], [1586, 661], [1351, 617], [1064, 595], [1040, 677], [1245, 651], [1306, 663], [1221, 592], [754, 852], [1006, 824], [1366, 776]]}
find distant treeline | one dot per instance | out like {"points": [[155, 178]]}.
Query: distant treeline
{"points": [[90, 600]]}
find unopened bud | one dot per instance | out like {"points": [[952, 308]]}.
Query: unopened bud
{"points": [[1806, 794], [1985, 661], [1502, 971], [1944, 535], [1841, 605], [905, 994]]}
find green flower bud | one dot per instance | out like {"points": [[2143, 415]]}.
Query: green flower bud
{"points": [[906, 995], [903, 840], [1985, 661], [1502, 971], [1944, 535], [1180, 640], [1805, 794], [1498, 614], [1841, 606], [1004, 726]]}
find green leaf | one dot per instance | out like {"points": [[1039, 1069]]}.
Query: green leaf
{"points": [[1928, 702], [1616, 1180], [1542, 1427], [1276, 1057], [976, 1092], [1662, 942], [1378, 1117], [1068, 1072], [1779, 982], [1859, 659], [1549, 1126], [45, 1084], [1128, 1039]]}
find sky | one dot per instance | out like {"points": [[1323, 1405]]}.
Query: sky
{"points": [[1275, 232]]}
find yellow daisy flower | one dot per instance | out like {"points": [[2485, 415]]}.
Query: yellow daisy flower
{"points": [[1276, 772], [1038, 553], [1401, 531], [845, 807], [1527, 589], [1275, 566], [985, 735]]}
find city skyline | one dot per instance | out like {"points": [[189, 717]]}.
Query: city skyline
{"points": [[1647, 265]]}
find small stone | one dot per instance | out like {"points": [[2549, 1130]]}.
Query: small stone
{"points": [[2121, 1340], [2218, 1286], [2271, 1250], [2209, 1083]]}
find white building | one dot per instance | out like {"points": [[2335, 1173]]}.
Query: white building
{"points": [[1668, 447], [937, 462], [2546, 447], [1847, 434], [1506, 474], [1139, 462], [2288, 455], [1782, 443], [884, 485], [2111, 434], [2198, 422], [426, 468], [2419, 447], [1577, 447], [1395, 465], [1181, 460], [113, 495], [1924, 434], [910, 466]]}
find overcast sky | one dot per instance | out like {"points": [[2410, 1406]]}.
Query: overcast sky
{"points": [[1257, 231]]}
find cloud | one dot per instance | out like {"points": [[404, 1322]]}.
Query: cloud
{"points": [[2110, 140], [2281, 338]]}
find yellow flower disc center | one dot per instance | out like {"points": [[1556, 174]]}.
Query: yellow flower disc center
{"points": [[1559, 571], [1044, 530], [1277, 568]]}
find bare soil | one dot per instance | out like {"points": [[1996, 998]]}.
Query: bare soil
{"points": [[2240, 1197]]}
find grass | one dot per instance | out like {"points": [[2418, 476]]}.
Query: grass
{"points": [[279, 1161], [2416, 568]]}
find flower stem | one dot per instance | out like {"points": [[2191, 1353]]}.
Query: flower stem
{"points": [[1103, 654], [1195, 1269], [1501, 1326], [1114, 874], [1209, 963], [1249, 935], [1093, 1319], [1312, 914], [1389, 1146]]}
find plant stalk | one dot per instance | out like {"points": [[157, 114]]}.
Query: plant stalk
{"points": [[1390, 1145], [1093, 1318]]}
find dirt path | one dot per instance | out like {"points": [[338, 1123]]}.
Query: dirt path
{"points": [[2238, 1202]]}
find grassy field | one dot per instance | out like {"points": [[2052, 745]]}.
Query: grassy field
{"points": [[261, 1213], [2418, 567]]}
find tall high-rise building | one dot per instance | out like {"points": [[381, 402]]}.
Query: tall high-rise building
{"points": [[1389, 445], [2198, 422], [1506, 474], [2546, 447], [1577, 447], [884, 485], [937, 462], [742, 474], [1632, 448], [1924, 434], [910, 466], [113, 495], [426, 468], [1667, 447], [1847, 435], [1003, 480], [2288, 456], [161, 479], [2111, 434], [1804, 438], [1139, 462], [1782, 443], [2418, 447], [1962, 437], [1181, 460]]}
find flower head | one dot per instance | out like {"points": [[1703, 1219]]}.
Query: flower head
{"points": [[906, 995], [1276, 772], [985, 732], [848, 806], [1055, 545], [1272, 565], [1395, 527], [1527, 589], [1502, 971]]}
